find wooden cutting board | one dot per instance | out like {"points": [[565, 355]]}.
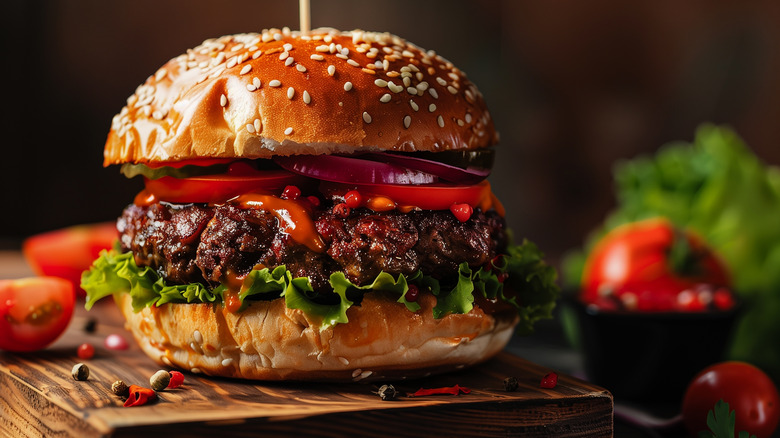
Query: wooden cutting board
{"points": [[38, 397]]}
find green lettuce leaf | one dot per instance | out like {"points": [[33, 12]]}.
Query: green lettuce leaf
{"points": [[523, 268]]}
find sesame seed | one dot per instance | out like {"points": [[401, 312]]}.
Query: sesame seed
{"points": [[369, 71], [275, 83], [258, 125], [419, 76], [366, 117], [317, 57], [251, 87], [407, 81], [290, 93], [256, 82], [407, 121], [414, 105], [460, 122], [300, 68], [452, 89], [227, 362], [158, 115], [322, 48], [407, 54], [394, 88], [284, 55], [380, 83], [332, 48], [247, 68], [347, 86], [288, 62], [257, 54], [468, 117], [288, 131], [306, 97], [341, 56], [440, 120], [469, 96], [441, 82], [453, 76], [422, 86], [278, 36], [353, 63], [288, 47], [232, 62], [331, 70], [385, 98], [432, 107], [393, 74], [223, 100], [250, 128], [328, 39], [412, 91], [161, 73], [433, 92], [431, 71], [385, 65]]}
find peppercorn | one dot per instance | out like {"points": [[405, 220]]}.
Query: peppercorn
{"points": [[510, 384], [80, 372], [160, 380], [91, 325], [120, 388], [387, 392]]}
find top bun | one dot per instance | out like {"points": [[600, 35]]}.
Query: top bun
{"points": [[285, 93]]}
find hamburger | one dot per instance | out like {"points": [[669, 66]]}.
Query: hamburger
{"points": [[315, 207]]}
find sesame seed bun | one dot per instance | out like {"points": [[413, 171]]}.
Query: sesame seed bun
{"points": [[381, 341], [282, 93]]}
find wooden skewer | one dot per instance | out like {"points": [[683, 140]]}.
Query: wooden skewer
{"points": [[305, 16]]}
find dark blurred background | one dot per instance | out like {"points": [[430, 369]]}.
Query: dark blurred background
{"points": [[572, 86]]}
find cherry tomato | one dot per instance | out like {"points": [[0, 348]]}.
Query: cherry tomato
{"points": [[68, 252], [427, 197], [34, 312], [219, 188], [85, 351], [647, 264], [748, 391]]}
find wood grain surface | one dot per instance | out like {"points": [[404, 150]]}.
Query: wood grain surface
{"points": [[38, 397]]}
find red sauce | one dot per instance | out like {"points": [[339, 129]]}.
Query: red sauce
{"points": [[294, 217]]}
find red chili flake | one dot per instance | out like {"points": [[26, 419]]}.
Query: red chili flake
{"points": [[461, 211], [291, 192], [116, 342], [139, 395], [454, 390], [353, 199], [550, 380], [315, 201], [341, 210], [412, 293], [85, 351], [177, 379]]}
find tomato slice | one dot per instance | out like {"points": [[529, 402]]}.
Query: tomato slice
{"points": [[427, 197], [34, 312], [220, 188], [68, 252]]}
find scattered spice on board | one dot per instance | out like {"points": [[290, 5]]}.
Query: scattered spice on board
{"points": [[550, 380], [139, 396], [454, 390], [177, 379]]}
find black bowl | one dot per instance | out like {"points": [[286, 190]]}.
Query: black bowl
{"points": [[649, 356]]}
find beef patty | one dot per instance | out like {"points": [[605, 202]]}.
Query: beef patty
{"points": [[208, 244]]}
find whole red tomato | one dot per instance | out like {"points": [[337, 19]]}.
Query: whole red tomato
{"points": [[68, 252], [646, 265], [748, 391]]}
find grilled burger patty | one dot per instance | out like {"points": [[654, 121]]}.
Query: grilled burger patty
{"points": [[208, 244]]}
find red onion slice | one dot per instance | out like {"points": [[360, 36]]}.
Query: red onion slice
{"points": [[444, 171], [341, 169]]}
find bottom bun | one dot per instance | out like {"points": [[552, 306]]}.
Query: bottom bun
{"points": [[268, 341]]}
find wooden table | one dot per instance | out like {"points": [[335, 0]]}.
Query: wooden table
{"points": [[38, 397]]}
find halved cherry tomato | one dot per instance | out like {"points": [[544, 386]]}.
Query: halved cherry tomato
{"points": [[647, 264], [427, 197], [34, 312], [748, 391], [239, 180], [68, 252]]}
